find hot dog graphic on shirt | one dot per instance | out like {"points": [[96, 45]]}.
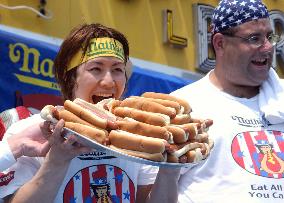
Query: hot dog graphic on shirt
{"points": [[260, 152], [269, 160]]}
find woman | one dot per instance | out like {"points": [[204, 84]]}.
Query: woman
{"points": [[91, 65]]}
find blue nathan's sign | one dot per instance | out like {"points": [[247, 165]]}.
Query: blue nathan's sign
{"points": [[25, 66]]}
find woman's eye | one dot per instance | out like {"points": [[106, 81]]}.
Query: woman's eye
{"points": [[95, 69], [118, 70]]}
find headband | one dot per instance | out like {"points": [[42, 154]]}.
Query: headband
{"points": [[231, 13], [98, 47]]}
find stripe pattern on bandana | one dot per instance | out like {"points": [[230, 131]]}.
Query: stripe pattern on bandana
{"points": [[231, 13]]}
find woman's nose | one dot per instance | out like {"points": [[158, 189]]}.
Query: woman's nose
{"points": [[107, 80]]}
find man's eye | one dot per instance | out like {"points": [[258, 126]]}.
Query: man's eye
{"points": [[254, 39], [269, 37]]}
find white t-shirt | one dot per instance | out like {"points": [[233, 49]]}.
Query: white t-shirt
{"points": [[236, 170], [7, 158], [90, 177]]}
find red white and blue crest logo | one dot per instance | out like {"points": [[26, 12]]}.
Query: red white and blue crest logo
{"points": [[260, 152], [102, 183]]}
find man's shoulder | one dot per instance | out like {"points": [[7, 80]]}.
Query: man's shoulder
{"points": [[193, 88]]}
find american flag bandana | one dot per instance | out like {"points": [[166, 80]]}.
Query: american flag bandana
{"points": [[231, 13]]}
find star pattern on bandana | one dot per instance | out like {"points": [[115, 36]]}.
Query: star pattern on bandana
{"points": [[231, 13]]}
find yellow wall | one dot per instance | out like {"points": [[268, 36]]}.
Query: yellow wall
{"points": [[140, 20]]}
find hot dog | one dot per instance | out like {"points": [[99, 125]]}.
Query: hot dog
{"points": [[69, 116], [167, 103], [98, 110], [47, 113], [179, 135], [159, 157], [74, 123], [133, 126], [142, 116], [181, 119], [126, 140], [194, 151], [90, 132], [186, 106], [149, 106], [192, 129], [85, 114], [182, 150]]}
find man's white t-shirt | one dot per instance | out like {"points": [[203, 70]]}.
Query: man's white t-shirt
{"points": [[247, 161], [90, 177]]}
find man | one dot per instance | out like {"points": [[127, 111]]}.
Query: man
{"points": [[239, 95]]}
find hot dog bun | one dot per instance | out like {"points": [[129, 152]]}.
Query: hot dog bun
{"points": [[155, 95], [69, 116], [133, 126], [167, 103], [85, 114], [179, 135], [149, 106], [191, 129], [47, 113], [159, 157], [126, 140], [90, 132], [98, 110], [142, 116], [181, 119]]}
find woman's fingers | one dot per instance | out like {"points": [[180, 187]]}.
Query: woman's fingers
{"points": [[44, 149], [57, 137], [61, 145], [45, 129]]}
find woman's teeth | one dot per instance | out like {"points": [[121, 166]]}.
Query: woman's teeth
{"points": [[103, 95]]}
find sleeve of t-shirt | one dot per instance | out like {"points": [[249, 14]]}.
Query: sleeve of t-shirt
{"points": [[17, 175], [24, 169], [7, 158], [147, 174]]}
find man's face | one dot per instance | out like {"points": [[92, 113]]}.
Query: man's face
{"points": [[245, 64]]}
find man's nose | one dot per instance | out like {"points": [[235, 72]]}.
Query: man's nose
{"points": [[268, 45]]}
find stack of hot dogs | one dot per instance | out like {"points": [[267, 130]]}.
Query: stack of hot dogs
{"points": [[154, 126]]}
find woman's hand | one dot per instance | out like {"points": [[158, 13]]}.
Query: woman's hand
{"points": [[61, 149]]}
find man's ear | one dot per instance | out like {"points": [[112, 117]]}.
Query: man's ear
{"points": [[218, 43]]}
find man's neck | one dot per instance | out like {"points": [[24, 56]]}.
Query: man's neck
{"points": [[233, 89]]}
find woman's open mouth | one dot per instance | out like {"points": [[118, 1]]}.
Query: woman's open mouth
{"points": [[99, 97]]}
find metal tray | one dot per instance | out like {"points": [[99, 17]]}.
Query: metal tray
{"points": [[93, 144]]}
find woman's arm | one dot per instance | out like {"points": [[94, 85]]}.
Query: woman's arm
{"points": [[44, 186]]}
